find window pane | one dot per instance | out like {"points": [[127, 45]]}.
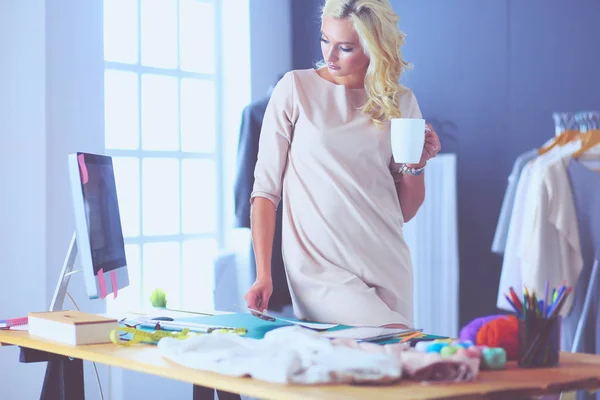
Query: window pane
{"points": [[199, 196], [159, 33], [162, 270], [121, 109], [160, 196], [121, 31], [197, 36], [127, 176], [198, 256], [159, 113], [197, 115]]}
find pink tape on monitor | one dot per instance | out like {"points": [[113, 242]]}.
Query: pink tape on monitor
{"points": [[102, 284], [83, 168], [113, 281]]}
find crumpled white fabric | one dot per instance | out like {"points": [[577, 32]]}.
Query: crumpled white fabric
{"points": [[285, 355]]}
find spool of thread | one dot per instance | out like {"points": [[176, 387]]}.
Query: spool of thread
{"points": [[493, 358]]}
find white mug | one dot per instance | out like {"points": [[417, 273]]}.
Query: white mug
{"points": [[408, 139]]}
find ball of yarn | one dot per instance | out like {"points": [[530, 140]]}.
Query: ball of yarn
{"points": [[469, 331], [422, 346], [436, 347], [449, 350], [493, 358], [465, 344], [501, 332]]}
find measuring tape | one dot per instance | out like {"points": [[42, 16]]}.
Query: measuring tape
{"points": [[138, 335]]}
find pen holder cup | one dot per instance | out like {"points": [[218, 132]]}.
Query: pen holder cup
{"points": [[539, 342]]}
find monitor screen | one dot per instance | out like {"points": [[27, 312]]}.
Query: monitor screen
{"points": [[102, 214], [99, 235]]}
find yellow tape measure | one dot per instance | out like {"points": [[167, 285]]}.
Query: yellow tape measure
{"points": [[138, 335]]}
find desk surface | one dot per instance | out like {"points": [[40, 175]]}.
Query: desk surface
{"points": [[577, 371]]}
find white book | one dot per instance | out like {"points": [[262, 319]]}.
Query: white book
{"points": [[71, 327]]}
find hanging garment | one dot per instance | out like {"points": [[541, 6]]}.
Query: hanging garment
{"points": [[511, 271], [251, 125], [550, 249], [524, 227], [585, 186], [499, 242]]}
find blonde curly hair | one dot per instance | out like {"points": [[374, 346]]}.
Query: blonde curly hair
{"points": [[376, 24]]}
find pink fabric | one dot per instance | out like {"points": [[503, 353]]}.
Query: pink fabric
{"points": [[420, 366], [433, 367]]}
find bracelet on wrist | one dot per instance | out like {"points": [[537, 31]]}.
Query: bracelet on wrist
{"points": [[411, 171]]}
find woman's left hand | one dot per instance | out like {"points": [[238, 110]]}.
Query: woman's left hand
{"points": [[431, 146]]}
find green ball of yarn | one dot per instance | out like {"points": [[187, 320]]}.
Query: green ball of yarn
{"points": [[493, 358], [449, 351]]}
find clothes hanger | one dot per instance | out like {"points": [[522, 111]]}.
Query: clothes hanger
{"points": [[567, 128], [590, 144], [565, 137]]}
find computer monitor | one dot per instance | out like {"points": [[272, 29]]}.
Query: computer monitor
{"points": [[98, 236]]}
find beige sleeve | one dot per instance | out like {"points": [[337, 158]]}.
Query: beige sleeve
{"points": [[274, 142]]}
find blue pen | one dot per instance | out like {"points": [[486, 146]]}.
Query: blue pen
{"points": [[544, 310]]}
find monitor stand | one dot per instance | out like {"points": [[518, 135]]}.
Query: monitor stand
{"points": [[65, 275]]}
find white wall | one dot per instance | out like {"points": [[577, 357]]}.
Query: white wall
{"points": [[22, 181], [51, 103], [74, 122]]}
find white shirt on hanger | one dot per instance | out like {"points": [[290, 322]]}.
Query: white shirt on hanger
{"points": [[525, 225], [550, 247]]}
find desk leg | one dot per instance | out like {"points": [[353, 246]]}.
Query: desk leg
{"points": [[203, 393], [64, 375]]}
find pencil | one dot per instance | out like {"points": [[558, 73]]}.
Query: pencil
{"points": [[411, 336], [512, 304]]}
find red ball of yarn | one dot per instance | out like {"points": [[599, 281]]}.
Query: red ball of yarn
{"points": [[501, 332]]}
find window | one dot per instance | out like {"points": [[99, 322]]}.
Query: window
{"points": [[172, 151]]}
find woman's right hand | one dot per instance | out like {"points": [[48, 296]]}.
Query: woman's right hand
{"points": [[257, 297]]}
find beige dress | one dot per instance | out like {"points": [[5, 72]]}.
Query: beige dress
{"points": [[331, 169]]}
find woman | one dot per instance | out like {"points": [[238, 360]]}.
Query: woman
{"points": [[325, 147]]}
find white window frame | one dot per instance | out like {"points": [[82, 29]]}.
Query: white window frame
{"points": [[230, 98]]}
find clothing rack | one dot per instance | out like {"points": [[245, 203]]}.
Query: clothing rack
{"points": [[559, 178]]}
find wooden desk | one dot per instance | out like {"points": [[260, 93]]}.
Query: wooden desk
{"points": [[577, 371]]}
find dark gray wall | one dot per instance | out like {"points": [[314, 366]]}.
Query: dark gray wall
{"points": [[306, 25], [490, 74]]}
